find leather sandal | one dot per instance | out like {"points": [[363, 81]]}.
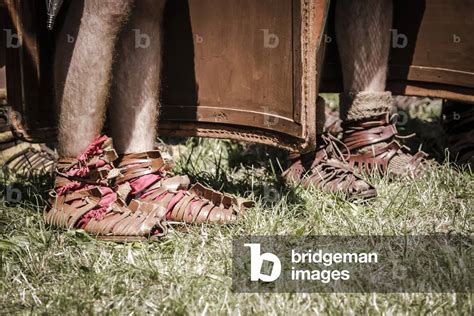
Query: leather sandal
{"points": [[372, 145], [31, 161], [84, 200], [327, 169], [144, 177]]}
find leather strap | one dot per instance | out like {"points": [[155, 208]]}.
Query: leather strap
{"points": [[328, 170], [357, 139], [196, 205], [363, 134], [133, 166], [143, 221], [94, 175]]}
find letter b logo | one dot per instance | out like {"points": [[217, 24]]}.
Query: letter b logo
{"points": [[270, 40], [396, 37], [141, 40], [13, 40], [256, 262]]}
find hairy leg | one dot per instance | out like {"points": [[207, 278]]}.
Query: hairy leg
{"points": [[134, 103], [363, 37], [83, 67]]}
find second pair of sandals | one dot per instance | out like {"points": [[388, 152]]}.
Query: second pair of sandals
{"points": [[131, 197]]}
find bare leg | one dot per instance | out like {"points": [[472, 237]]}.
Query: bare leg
{"points": [[134, 103], [82, 82], [363, 37]]}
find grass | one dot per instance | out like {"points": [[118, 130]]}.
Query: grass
{"points": [[49, 271]]}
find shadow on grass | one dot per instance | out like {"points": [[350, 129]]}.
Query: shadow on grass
{"points": [[253, 171], [23, 190], [430, 136]]}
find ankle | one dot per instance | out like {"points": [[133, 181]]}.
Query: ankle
{"points": [[93, 167], [361, 105]]}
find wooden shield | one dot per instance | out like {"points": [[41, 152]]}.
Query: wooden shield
{"points": [[242, 69]]}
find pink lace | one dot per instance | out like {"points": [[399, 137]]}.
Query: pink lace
{"points": [[94, 148], [108, 196], [140, 184], [98, 213], [173, 202], [72, 186]]}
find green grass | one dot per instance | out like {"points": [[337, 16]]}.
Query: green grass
{"points": [[50, 271]]}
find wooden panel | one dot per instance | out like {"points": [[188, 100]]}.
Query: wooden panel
{"points": [[440, 46], [234, 63], [242, 63]]}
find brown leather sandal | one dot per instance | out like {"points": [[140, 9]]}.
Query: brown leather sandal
{"points": [[83, 200], [327, 169], [144, 178], [372, 145], [31, 161]]}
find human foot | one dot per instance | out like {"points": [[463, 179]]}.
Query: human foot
{"points": [[327, 170], [372, 144], [84, 200], [144, 177]]}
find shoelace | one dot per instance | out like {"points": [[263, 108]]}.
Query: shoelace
{"points": [[333, 142]]}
